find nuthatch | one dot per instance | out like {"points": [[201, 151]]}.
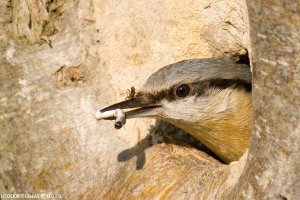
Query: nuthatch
{"points": [[207, 98]]}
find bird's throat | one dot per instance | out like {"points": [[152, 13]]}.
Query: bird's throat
{"points": [[228, 142]]}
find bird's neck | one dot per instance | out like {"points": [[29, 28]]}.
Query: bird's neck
{"points": [[227, 136]]}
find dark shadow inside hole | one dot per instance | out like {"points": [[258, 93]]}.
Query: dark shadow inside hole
{"points": [[161, 132], [242, 58]]}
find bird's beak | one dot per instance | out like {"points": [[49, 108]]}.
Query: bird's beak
{"points": [[139, 107]]}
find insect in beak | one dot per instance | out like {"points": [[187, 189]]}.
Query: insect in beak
{"points": [[139, 105]]}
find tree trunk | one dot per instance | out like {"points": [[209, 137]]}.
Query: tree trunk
{"points": [[62, 60], [272, 169]]}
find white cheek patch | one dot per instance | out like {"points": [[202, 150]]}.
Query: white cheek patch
{"points": [[187, 108], [118, 114]]}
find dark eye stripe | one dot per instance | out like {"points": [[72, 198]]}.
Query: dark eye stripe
{"points": [[199, 88], [225, 83]]}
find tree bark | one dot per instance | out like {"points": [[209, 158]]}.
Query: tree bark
{"points": [[62, 60], [272, 169]]}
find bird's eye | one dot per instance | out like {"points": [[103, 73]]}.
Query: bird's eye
{"points": [[183, 90]]}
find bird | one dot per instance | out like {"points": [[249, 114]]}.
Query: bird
{"points": [[209, 98]]}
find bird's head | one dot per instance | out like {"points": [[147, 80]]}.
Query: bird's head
{"points": [[195, 95]]}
